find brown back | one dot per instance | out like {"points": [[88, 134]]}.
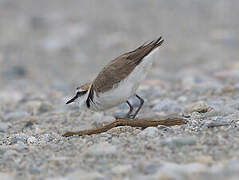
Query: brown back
{"points": [[119, 68]]}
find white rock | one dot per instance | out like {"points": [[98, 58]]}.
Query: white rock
{"points": [[200, 106], [149, 132], [46, 137], [21, 137], [31, 140], [4, 126]]}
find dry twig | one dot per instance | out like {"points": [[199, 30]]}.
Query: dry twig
{"points": [[143, 123]]}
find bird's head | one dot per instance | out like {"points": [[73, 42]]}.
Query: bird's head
{"points": [[81, 93]]}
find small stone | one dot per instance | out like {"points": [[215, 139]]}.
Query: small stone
{"points": [[178, 141], [46, 138], [149, 132], [4, 126], [164, 128], [216, 122], [20, 137], [28, 124], [101, 149], [200, 106], [31, 140]]}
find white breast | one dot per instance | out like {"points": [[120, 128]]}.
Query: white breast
{"points": [[125, 88]]}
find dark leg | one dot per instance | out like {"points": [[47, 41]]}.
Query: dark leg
{"points": [[140, 106], [130, 109], [128, 115]]}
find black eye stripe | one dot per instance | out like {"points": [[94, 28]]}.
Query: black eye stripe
{"points": [[80, 93]]}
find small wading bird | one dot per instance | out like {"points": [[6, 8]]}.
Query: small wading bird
{"points": [[118, 80]]}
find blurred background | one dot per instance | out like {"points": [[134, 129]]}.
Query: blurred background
{"points": [[50, 47], [61, 44]]}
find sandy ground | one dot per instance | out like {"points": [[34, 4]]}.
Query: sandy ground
{"points": [[48, 48]]}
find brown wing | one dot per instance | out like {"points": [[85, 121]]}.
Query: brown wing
{"points": [[119, 68]]}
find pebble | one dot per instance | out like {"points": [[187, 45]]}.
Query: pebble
{"points": [[4, 126], [101, 149], [19, 137], [46, 138], [149, 132], [31, 140], [216, 122], [164, 128], [200, 106], [178, 141]]}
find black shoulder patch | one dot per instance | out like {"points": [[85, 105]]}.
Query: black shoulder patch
{"points": [[90, 97]]}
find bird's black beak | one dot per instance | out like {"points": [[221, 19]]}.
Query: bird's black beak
{"points": [[72, 99]]}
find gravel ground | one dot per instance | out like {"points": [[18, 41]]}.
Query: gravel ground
{"points": [[48, 48]]}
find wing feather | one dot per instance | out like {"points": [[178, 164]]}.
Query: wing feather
{"points": [[119, 68]]}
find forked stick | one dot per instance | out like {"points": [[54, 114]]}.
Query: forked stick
{"points": [[143, 123]]}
